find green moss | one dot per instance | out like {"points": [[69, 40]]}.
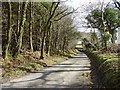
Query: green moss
{"points": [[108, 67], [83, 74], [35, 66], [54, 60], [18, 67], [79, 47], [14, 72], [112, 59]]}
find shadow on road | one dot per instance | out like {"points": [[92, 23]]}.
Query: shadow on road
{"points": [[46, 73], [54, 76], [72, 66]]}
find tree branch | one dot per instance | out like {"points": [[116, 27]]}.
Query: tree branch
{"points": [[117, 4], [65, 15], [52, 14], [61, 12]]}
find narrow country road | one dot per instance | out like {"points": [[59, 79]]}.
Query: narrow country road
{"points": [[74, 72]]}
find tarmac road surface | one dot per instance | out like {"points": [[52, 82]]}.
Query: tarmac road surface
{"points": [[74, 72]]}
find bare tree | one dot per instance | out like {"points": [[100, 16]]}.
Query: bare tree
{"points": [[117, 4]]}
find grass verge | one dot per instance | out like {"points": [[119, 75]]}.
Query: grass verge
{"points": [[26, 64]]}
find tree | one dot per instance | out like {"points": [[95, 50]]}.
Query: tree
{"points": [[46, 26], [54, 14], [117, 4], [106, 38], [8, 31], [30, 26], [112, 18], [95, 20], [23, 19], [42, 33], [111, 21]]}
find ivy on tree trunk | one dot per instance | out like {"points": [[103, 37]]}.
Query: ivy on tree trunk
{"points": [[8, 31], [23, 19]]}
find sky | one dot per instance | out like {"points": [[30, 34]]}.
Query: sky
{"points": [[85, 7]]}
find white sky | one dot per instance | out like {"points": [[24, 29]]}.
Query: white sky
{"points": [[84, 8]]}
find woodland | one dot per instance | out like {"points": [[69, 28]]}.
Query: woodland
{"points": [[38, 34]]}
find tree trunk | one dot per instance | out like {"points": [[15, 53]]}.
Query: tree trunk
{"points": [[48, 39], [46, 27], [19, 13], [30, 27], [105, 42], [63, 47], [42, 44], [112, 39], [102, 43], [112, 32], [8, 32], [23, 19]]}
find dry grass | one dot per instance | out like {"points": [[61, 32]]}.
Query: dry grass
{"points": [[26, 64], [54, 60]]}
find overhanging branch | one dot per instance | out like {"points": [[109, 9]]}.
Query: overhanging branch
{"points": [[66, 15]]}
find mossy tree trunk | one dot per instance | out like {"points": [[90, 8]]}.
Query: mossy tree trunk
{"points": [[48, 39], [9, 31], [22, 22], [63, 46], [30, 26], [42, 44], [47, 25], [113, 37], [105, 42]]}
